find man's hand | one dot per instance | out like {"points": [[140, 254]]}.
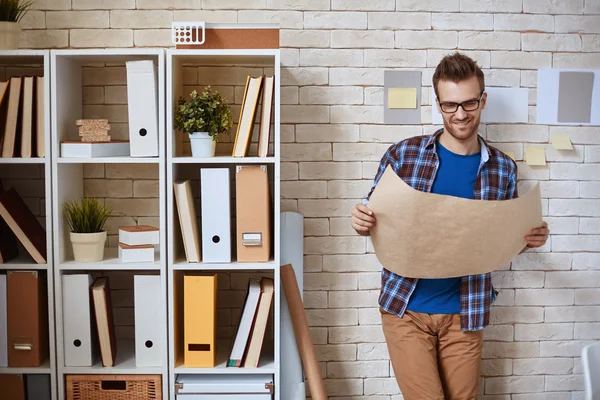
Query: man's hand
{"points": [[538, 236], [362, 219]]}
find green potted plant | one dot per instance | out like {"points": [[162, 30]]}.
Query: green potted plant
{"points": [[86, 220], [11, 12], [204, 117]]}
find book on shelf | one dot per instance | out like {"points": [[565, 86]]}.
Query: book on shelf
{"points": [[260, 323], [22, 131], [23, 224], [242, 334], [11, 119], [40, 128], [184, 201], [266, 116], [27, 117], [104, 321], [247, 115]]}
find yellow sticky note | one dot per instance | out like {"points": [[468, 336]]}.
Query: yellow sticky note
{"points": [[561, 142], [535, 156], [510, 154], [402, 98]]}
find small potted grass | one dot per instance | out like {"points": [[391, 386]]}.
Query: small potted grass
{"points": [[11, 12], [86, 219]]}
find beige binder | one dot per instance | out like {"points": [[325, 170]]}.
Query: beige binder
{"points": [[253, 213]]}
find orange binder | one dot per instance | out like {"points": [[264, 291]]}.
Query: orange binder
{"points": [[27, 319], [253, 213], [12, 387], [199, 320]]}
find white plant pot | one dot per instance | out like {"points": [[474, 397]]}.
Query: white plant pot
{"points": [[88, 247], [202, 144], [10, 32]]}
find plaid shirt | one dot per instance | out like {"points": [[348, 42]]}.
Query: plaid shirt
{"points": [[415, 160]]}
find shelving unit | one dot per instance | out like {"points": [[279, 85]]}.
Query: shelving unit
{"points": [[68, 181], [235, 64], [21, 63]]}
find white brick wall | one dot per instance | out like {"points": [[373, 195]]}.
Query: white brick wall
{"points": [[334, 56]]}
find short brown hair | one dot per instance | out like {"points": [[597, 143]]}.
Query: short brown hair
{"points": [[455, 68]]}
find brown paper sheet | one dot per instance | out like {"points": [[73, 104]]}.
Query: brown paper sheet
{"points": [[427, 235], [302, 332]]}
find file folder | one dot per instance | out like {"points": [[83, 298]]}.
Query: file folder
{"points": [[253, 219], [3, 324], [79, 324], [147, 312], [12, 387], [142, 107], [27, 317], [199, 320], [216, 214], [38, 387]]}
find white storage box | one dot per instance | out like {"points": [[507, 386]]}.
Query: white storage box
{"points": [[224, 387]]}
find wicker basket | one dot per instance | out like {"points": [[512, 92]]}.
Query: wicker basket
{"points": [[114, 387]]}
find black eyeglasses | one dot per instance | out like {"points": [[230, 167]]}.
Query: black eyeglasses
{"points": [[469, 105]]}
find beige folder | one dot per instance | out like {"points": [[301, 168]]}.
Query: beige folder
{"points": [[199, 320], [253, 213]]}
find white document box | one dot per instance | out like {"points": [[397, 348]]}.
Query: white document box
{"points": [[79, 325], [216, 219], [142, 105], [3, 323], [147, 314], [224, 387]]}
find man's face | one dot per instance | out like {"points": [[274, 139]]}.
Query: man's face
{"points": [[461, 124]]}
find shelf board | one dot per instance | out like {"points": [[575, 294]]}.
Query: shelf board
{"points": [[22, 57], [183, 265], [42, 369], [223, 160], [266, 364], [111, 262], [108, 160], [125, 364], [23, 261], [263, 57], [19, 160]]}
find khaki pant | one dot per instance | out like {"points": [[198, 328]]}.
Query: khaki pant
{"points": [[432, 358]]}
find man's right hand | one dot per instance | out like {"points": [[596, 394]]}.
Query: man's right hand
{"points": [[363, 219]]}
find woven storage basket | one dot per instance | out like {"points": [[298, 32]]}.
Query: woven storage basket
{"points": [[114, 387]]}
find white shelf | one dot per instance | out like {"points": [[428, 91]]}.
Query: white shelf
{"points": [[19, 160], [223, 160], [108, 160], [111, 262], [182, 265], [42, 369], [125, 364], [22, 57], [23, 261]]}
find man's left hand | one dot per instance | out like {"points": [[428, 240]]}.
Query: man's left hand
{"points": [[538, 236]]}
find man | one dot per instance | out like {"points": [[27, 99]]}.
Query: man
{"points": [[433, 327]]}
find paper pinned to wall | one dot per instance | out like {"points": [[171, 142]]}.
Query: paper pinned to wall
{"points": [[561, 142], [402, 97], [504, 105], [397, 82], [427, 235], [535, 156], [568, 96]]}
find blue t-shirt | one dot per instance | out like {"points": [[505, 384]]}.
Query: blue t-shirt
{"points": [[456, 176]]}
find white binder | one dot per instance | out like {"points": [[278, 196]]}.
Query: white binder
{"points": [[79, 326], [3, 324], [142, 107], [148, 317], [216, 215]]}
